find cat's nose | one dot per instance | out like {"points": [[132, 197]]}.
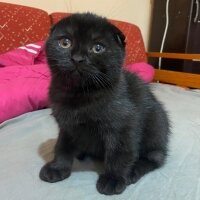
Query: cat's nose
{"points": [[78, 58]]}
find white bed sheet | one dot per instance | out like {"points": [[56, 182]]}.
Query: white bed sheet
{"points": [[26, 143]]}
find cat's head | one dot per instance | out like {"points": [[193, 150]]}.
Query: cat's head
{"points": [[87, 46]]}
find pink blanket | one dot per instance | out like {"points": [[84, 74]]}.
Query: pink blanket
{"points": [[24, 81], [25, 78]]}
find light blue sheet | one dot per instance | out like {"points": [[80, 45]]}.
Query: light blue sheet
{"points": [[26, 143]]}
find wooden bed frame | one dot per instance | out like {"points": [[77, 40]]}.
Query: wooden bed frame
{"points": [[178, 78]]}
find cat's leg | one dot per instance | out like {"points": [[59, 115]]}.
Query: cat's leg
{"points": [[60, 167], [154, 145], [118, 162], [151, 161]]}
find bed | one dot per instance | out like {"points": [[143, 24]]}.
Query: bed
{"points": [[27, 141]]}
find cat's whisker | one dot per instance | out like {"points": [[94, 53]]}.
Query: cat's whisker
{"points": [[104, 79], [101, 81], [93, 79]]}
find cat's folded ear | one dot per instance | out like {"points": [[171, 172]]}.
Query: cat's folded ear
{"points": [[119, 36], [52, 28]]}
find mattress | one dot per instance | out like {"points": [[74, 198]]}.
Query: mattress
{"points": [[27, 142]]}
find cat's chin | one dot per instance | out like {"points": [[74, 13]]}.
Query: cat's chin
{"points": [[70, 79], [75, 74]]}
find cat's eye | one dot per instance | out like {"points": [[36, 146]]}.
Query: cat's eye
{"points": [[65, 43], [98, 48]]}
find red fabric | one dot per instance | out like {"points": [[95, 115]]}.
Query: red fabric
{"points": [[135, 51], [20, 25], [56, 16]]}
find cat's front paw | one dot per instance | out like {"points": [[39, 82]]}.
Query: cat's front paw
{"points": [[51, 172], [109, 185]]}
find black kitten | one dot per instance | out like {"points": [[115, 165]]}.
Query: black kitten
{"points": [[101, 110]]}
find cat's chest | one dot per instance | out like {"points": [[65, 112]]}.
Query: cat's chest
{"points": [[85, 129], [81, 118], [88, 138]]}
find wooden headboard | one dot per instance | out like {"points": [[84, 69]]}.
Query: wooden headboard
{"points": [[178, 78]]}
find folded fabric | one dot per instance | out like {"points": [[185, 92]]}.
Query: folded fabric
{"points": [[23, 89], [143, 70], [26, 55], [25, 78]]}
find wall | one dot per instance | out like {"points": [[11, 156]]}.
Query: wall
{"points": [[133, 11]]}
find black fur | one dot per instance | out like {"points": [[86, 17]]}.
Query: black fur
{"points": [[101, 110]]}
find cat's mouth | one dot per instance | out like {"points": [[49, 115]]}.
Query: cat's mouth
{"points": [[77, 75], [86, 77], [82, 70]]}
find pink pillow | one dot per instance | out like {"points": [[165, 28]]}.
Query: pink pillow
{"points": [[23, 89], [24, 81], [143, 70]]}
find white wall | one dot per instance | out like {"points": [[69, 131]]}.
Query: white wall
{"points": [[133, 11]]}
